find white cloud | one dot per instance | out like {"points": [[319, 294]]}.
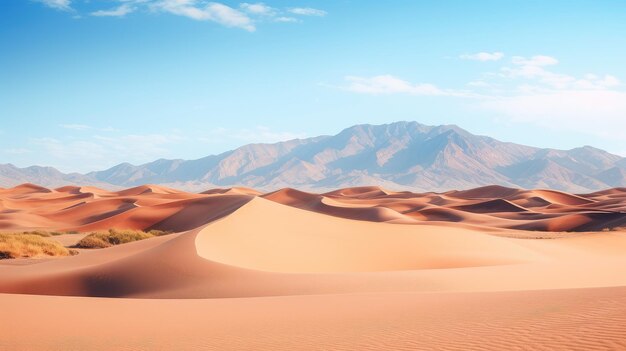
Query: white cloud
{"points": [[245, 16], [258, 9], [230, 17], [538, 60], [119, 11], [64, 5], [483, 56], [388, 84], [16, 151], [591, 104], [98, 152], [285, 19], [478, 84], [307, 11], [534, 69], [597, 112], [75, 126], [263, 11], [212, 11], [528, 90]]}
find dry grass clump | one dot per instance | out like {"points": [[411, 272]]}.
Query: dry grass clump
{"points": [[38, 232], [157, 232], [16, 245], [46, 233], [103, 239]]}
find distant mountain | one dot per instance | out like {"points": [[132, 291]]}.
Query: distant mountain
{"points": [[11, 175], [402, 155]]}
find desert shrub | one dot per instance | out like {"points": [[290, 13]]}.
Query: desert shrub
{"points": [[157, 232], [103, 239], [16, 245], [93, 241], [38, 232], [46, 233]]}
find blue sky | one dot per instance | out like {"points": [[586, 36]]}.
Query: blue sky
{"points": [[85, 85]]}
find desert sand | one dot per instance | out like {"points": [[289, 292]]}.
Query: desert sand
{"points": [[363, 268]]}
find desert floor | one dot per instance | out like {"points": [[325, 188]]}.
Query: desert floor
{"points": [[364, 268]]}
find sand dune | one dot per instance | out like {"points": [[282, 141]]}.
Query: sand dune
{"points": [[271, 249], [87, 208], [354, 269]]}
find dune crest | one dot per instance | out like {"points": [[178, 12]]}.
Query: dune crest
{"points": [[29, 206]]}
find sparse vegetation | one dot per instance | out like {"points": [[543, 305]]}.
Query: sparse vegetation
{"points": [[37, 243], [42, 233], [157, 232], [16, 245], [46, 233], [103, 239]]}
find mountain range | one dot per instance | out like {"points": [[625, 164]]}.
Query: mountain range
{"points": [[401, 155]]}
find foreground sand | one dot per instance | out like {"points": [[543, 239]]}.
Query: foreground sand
{"points": [[587, 319], [290, 270]]}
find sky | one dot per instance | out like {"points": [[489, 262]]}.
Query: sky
{"points": [[88, 84]]}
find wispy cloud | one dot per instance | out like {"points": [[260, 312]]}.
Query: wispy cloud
{"points": [[93, 149], [538, 60], [16, 151], [244, 16], [285, 19], [75, 126], [307, 11], [597, 112], [529, 90], [119, 11], [84, 127], [258, 9], [266, 13], [591, 104], [64, 5], [212, 11], [534, 69], [388, 84], [95, 152], [483, 56]]}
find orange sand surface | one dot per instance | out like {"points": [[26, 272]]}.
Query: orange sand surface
{"points": [[363, 268]]}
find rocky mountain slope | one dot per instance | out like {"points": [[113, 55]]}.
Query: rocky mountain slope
{"points": [[401, 155]]}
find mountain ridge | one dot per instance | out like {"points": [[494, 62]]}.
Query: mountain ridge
{"points": [[400, 155]]}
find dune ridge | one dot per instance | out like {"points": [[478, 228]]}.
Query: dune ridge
{"points": [[30, 206]]}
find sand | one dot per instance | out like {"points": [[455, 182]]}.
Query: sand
{"points": [[355, 269]]}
